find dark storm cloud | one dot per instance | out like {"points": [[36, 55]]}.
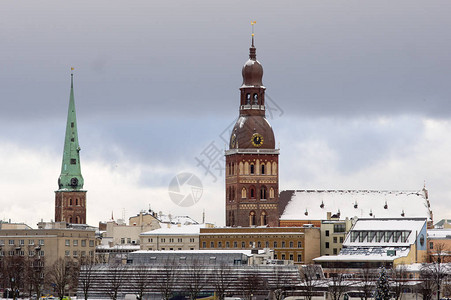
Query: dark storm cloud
{"points": [[144, 59]]}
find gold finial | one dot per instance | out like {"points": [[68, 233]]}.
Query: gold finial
{"points": [[252, 24], [71, 68]]}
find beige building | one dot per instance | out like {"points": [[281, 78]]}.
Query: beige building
{"points": [[298, 244], [49, 242], [173, 237], [119, 233], [333, 234]]}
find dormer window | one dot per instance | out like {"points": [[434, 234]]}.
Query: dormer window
{"points": [[255, 99], [248, 98]]}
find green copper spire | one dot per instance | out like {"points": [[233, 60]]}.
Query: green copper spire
{"points": [[71, 177]]}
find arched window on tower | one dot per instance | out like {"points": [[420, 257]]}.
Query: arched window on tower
{"points": [[252, 169], [263, 193], [255, 99], [76, 202], [268, 168], [271, 193], [252, 192], [243, 192], [246, 168], [70, 220], [263, 219], [252, 218], [77, 220], [241, 166], [263, 169], [248, 98], [233, 193], [233, 168], [70, 202], [274, 168]]}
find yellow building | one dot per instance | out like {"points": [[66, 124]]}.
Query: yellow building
{"points": [[49, 242], [298, 244]]}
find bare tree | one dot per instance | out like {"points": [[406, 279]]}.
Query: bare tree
{"points": [[367, 279], [426, 285], [60, 275], [311, 277], [399, 280], [222, 280], [115, 280], [86, 275], [140, 281], [338, 284], [34, 275], [197, 279], [252, 283], [165, 280], [438, 268]]}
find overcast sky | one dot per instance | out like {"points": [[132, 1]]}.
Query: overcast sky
{"points": [[361, 91]]}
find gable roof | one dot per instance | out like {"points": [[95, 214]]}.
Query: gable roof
{"points": [[314, 204]]}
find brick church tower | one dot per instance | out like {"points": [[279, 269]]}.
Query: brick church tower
{"points": [[70, 198], [252, 180]]}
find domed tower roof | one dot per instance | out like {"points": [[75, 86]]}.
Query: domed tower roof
{"points": [[252, 70], [252, 130]]}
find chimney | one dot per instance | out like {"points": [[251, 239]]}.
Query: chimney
{"points": [[329, 215]]}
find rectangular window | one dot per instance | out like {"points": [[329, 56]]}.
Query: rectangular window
{"points": [[83, 243], [75, 253], [179, 240], [91, 243], [163, 240], [67, 242], [30, 242], [227, 244], [204, 244], [72, 124], [291, 244], [283, 256], [21, 242], [191, 240], [327, 232], [291, 257], [235, 244], [2, 253], [91, 253], [243, 245], [122, 240], [335, 251], [335, 239], [67, 253], [341, 239], [11, 253], [275, 244], [2, 242], [339, 227], [41, 242], [299, 244], [30, 253], [22, 253], [83, 253], [73, 161], [11, 242], [149, 240], [41, 253], [431, 245], [283, 244], [212, 244], [129, 241], [299, 258], [266, 244], [259, 244], [219, 244], [75, 242], [327, 245]]}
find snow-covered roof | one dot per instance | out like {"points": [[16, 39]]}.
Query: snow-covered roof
{"points": [[118, 247], [314, 204], [366, 254], [444, 233], [176, 229], [396, 232], [245, 252], [184, 220]]}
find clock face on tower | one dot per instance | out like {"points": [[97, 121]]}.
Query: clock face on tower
{"points": [[257, 140], [74, 181]]}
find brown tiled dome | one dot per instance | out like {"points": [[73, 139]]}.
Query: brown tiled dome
{"points": [[252, 70], [244, 130]]}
